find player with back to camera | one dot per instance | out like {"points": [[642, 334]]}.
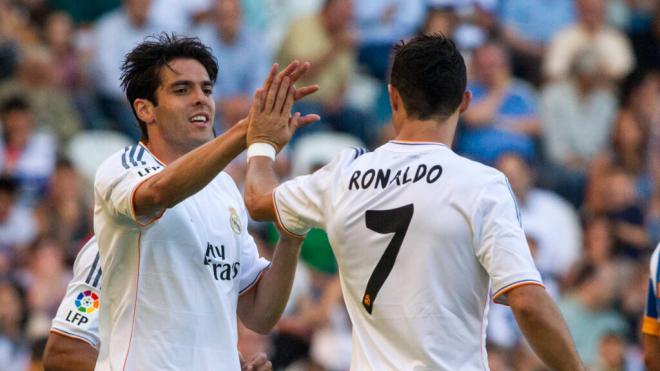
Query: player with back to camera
{"points": [[421, 235], [178, 263]]}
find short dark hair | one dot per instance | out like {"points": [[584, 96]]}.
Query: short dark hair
{"points": [[140, 76], [14, 103], [8, 185], [430, 75]]}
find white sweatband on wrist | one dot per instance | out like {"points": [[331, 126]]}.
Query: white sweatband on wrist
{"points": [[261, 149]]}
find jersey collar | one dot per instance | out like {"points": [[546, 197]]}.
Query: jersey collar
{"points": [[416, 143], [161, 163]]}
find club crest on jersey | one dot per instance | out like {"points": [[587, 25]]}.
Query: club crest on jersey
{"points": [[234, 221]]}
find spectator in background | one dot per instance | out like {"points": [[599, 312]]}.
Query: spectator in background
{"points": [[598, 240], [640, 96], [625, 213], [180, 16], [14, 315], [527, 28], [37, 82], [10, 25], [503, 115], [577, 116], [547, 217], [17, 225], [115, 34], [66, 214], [45, 278], [327, 41], [382, 23], [242, 58], [26, 154], [272, 18], [70, 65], [612, 51], [588, 309]]}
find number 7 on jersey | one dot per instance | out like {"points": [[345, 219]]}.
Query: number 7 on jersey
{"points": [[386, 221]]}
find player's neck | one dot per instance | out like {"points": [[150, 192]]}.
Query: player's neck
{"points": [[164, 152], [427, 131]]}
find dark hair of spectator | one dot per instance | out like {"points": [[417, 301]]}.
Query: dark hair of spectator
{"points": [[8, 185], [430, 75], [632, 82], [585, 272], [21, 295], [14, 103], [140, 76]]}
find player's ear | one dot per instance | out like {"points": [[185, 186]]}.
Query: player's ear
{"points": [[395, 98], [144, 110], [465, 103]]}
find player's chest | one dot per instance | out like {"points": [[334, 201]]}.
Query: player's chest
{"points": [[206, 235]]}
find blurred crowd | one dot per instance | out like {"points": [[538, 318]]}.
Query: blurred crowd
{"points": [[566, 104]]}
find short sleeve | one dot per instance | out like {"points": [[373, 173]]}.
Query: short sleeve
{"points": [[500, 243], [77, 315], [299, 201], [650, 325], [117, 180]]}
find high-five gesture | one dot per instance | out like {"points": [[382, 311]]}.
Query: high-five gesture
{"points": [[270, 116]]}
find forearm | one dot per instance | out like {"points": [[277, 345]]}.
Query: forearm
{"points": [[262, 306], [651, 346], [190, 173], [66, 354], [544, 328], [260, 182]]}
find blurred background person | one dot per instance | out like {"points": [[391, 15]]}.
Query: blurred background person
{"points": [[327, 40], [611, 48], [242, 60], [503, 115]]}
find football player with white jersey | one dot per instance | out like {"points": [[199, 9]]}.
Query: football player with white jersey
{"points": [[74, 335], [421, 235], [651, 320], [178, 263]]}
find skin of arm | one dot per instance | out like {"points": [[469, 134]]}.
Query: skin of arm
{"points": [[261, 307], [544, 327], [651, 346], [193, 171], [68, 354], [189, 173]]}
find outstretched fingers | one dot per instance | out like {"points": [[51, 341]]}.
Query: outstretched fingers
{"points": [[305, 91], [271, 95], [271, 76], [282, 95], [298, 72]]}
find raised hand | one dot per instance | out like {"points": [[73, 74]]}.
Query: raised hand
{"points": [[270, 115]]}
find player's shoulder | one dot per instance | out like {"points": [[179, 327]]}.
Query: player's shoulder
{"points": [[475, 174], [87, 267], [135, 158], [345, 158], [86, 255]]}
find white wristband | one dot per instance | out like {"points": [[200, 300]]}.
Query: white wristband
{"points": [[261, 149]]}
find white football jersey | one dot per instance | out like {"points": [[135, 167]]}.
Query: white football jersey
{"points": [[170, 282], [421, 236], [77, 316]]}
